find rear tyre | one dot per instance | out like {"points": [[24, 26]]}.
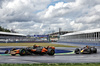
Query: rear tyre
{"points": [[94, 50], [77, 51], [22, 52], [51, 52]]}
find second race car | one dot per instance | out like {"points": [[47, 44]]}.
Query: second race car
{"points": [[86, 50]]}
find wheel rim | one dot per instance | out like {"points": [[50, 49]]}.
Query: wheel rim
{"points": [[23, 51], [52, 51]]}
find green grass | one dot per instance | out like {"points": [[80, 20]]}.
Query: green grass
{"points": [[54, 64], [31, 44]]}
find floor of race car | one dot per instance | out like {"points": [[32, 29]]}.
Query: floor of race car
{"points": [[62, 57]]}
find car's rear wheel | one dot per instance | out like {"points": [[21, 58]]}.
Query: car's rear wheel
{"points": [[22, 52], [51, 52], [94, 50]]}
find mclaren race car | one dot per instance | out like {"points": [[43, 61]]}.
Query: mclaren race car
{"points": [[35, 49], [86, 50]]}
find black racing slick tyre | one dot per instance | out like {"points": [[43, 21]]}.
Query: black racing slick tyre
{"points": [[94, 50], [22, 52], [51, 52], [77, 51]]}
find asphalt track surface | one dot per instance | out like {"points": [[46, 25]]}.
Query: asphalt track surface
{"points": [[63, 58]]}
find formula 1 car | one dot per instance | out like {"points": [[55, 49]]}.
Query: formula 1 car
{"points": [[86, 50], [35, 49]]}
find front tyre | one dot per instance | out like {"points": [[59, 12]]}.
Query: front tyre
{"points": [[22, 52], [77, 51]]}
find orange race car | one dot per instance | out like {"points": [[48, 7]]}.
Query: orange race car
{"points": [[32, 50]]}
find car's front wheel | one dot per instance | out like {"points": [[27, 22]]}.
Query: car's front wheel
{"points": [[22, 52]]}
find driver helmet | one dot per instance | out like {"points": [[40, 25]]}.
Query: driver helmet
{"points": [[87, 46]]}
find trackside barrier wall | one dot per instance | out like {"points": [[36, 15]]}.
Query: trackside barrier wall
{"points": [[25, 42]]}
